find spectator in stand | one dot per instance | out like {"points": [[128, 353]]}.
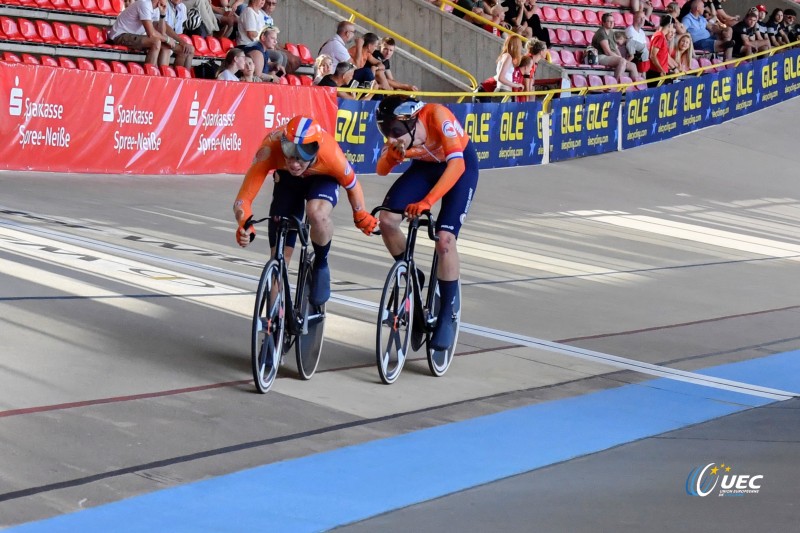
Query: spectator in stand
{"points": [[515, 18], [251, 23], [674, 10], [792, 28], [225, 12], [336, 46], [267, 64], [637, 44], [342, 77], [525, 69], [721, 14], [201, 19], [746, 37], [384, 55], [636, 6], [135, 29], [368, 67], [249, 70], [697, 26], [173, 16], [323, 66], [659, 51], [233, 63], [607, 52], [761, 23], [684, 53], [776, 28], [536, 51], [507, 62]]}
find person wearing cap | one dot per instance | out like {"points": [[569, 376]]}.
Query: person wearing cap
{"points": [[309, 167], [792, 28], [761, 23], [747, 39]]}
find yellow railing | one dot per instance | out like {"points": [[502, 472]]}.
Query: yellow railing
{"points": [[483, 20], [473, 83]]}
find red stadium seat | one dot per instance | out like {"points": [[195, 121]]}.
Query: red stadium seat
{"points": [[553, 37], [595, 2], [102, 66], [292, 79], [151, 70], [655, 19], [30, 60], [555, 58], [568, 58], [183, 72], [63, 33], [119, 67], [306, 80], [90, 6], [658, 5], [46, 32], [97, 36], [226, 43], [117, 6], [549, 14], [200, 46], [306, 57], [577, 16], [65, 62], [107, 8], [589, 35], [10, 57], [48, 61], [80, 35], [76, 6], [28, 31], [11, 29], [608, 79], [214, 46], [167, 71], [135, 68], [628, 16], [292, 49], [578, 80], [84, 64], [578, 38], [283, 81], [44, 4], [59, 5], [564, 36], [594, 80], [619, 20], [592, 19], [562, 14], [631, 88], [704, 62], [694, 64]]}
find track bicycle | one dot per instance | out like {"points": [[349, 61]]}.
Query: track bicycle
{"points": [[403, 318], [280, 321]]}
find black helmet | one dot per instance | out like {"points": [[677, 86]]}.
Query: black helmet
{"points": [[397, 115]]}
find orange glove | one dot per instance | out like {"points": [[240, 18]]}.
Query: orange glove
{"points": [[365, 221], [245, 236], [415, 210]]}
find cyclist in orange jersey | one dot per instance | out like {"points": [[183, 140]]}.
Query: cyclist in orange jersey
{"points": [[309, 167], [444, 167]]}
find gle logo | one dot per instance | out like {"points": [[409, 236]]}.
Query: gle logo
{"points": [[15, 99], [194, 111], [703, 480], [108, 107]]}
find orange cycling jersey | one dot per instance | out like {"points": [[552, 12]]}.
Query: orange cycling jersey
{"points": [[330, 161]]}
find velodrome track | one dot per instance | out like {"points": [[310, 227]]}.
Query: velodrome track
{"points": [[601, 297]]}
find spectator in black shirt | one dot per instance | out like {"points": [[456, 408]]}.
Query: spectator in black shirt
{"points": [[384, 54], [747, 39]]}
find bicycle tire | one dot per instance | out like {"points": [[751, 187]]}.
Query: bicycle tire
{"points": [[308, 347], [395, 318], [439, 360], [266, 347]]}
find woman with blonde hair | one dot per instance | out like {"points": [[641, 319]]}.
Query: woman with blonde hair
{"points": [[507, 61], [684, 53], [323, 66]]}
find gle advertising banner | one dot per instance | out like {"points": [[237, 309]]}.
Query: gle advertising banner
{"points": [[583, 125], [71, 120], [693, 103], [503, 135]]}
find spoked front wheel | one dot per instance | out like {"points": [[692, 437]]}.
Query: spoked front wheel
{"points": [[308, 345], [394, 323], [439, 360], [268, 327]]}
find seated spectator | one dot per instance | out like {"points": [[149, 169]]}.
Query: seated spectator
{"points": [[225, 12], [607, 52], [622, 45], [201, 18], [233, 63], [385, 55], [251, 23], [674, 10], [515, 18], [792, 28], [776, 28], [697, 27], [336, 46], [761, 23], [722, 16], [684, 53], [135, 29], [637, 43], [659, 51], [507, 62], [342, 77], [323, 66], [172, 24], [368, 67], [268, 63], [636, 6], [746, 37], [249, 71]]}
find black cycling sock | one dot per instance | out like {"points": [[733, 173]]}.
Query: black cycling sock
{"points": [[448, 292], [321, 254]]}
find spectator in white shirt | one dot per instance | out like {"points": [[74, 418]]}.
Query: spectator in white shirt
{"points": [[251, 22], [135, 29], [336, 46], [174, 16], [233, 63]]}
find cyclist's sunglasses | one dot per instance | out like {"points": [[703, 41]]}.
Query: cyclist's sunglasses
{"points": [[303, 152]]}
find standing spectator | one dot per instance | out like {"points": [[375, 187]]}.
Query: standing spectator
{"points": [[746, 37], [174, 16], [251, 22], [249, 70], [608, 54], [267, 64], [323, 66], [684, 53], [537, 51], [233, 63], [135, 29], [385, 55], [776, 28], [525, 69], [659, 51], [336, 46], [637, 44], [507, 61]]}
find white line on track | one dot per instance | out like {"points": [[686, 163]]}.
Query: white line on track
{"points": [[504, 336]]}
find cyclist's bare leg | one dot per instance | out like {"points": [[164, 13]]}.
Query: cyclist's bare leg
{"points": [[449, 265], [392, 235], [319, 216]]}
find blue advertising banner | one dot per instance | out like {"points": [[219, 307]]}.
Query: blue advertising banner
{"points": [[768, 75], [790, 84], [581, 126], [695, 107], [745, 91], [641, 114], [503, 135], [721, 94]]}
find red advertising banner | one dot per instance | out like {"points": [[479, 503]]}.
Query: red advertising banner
{"points": [[69, 120]]}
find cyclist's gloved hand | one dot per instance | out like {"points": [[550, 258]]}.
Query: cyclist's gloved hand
{"points": [[396, 152], [245, 236], [365, 221], [415, 210]]}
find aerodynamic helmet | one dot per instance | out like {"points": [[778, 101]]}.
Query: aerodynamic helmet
{"points": [[301, 138], [397, 115]]}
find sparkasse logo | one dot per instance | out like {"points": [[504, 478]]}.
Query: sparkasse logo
{"points": [[703, 480], [15, 99]]}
